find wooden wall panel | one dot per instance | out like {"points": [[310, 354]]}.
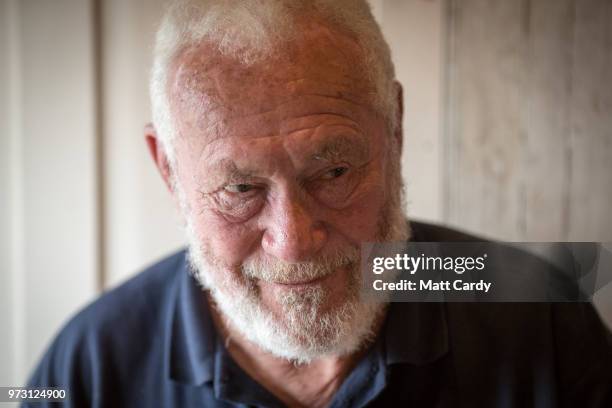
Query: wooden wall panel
{"points": [[49, 250], [526, 154], [413, 30], [140, 221], [546, 107], [7, 243], [590, 150], [529, 139], [487, 126]]}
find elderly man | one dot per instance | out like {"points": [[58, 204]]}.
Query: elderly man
{"points": [[277, 129]]}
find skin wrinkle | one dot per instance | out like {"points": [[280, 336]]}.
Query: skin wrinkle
{"points": [[284, 37], [302, 221], [206, 156], [211, 67], [341, 147], [212, 124], [228, 172], [341, 141], [325, 70], [315, 131], [339, 96], [284, 130], [184, 80]]}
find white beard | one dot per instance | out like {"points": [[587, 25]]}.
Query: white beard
{"points": [[303, 330]]}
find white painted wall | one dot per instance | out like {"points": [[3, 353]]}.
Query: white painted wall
{"points": [[414, 31], [139, 218], [6, 201], [47, 177], [66, 225]]}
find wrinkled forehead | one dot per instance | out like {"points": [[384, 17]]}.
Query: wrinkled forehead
{"points": [[323, 62]]}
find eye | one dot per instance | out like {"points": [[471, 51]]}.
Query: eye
{"points": [[240, 201], [335, 173], [239, 188]]}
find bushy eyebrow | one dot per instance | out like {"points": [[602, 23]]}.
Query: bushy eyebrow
{"points": [[231, 171], [223, 171], [341, 147], [332, 149]]}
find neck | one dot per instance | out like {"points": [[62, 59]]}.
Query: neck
{"points": [[297, 385]]}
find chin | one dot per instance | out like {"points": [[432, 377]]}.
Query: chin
{"points": [[308, 329], [300, 321], [301, 324]]}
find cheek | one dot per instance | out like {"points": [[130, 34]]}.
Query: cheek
{"points": [[359, 222], [230, 243]]}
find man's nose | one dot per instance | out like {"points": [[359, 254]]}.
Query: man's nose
{"points": [[293, 232]]}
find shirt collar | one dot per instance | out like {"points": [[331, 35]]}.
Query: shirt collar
{"points": [[414, 333]]}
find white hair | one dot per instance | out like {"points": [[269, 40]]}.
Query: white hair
{"points": [[302, 331], [250, 30]]}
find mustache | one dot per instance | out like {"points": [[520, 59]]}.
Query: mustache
{"points": [[278, 271]]}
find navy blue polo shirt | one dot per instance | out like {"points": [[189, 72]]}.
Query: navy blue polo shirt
{"points": [[151, 343]]}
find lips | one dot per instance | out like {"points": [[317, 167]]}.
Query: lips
{"points": [[302, 282], [281, 274]]}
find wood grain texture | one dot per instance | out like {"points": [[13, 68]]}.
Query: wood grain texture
{"points": [[487, 126], [529, 131], [590, 149], [545, 165]]}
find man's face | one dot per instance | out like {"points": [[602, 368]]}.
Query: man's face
{"points": [[284, 169]]}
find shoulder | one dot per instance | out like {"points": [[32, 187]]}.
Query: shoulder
{"points": [[121, 321], [140, 298], [426, 232], [554, 347], [563, 342]]}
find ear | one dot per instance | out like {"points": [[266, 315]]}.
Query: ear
{"points": [[398, 132], [158, 154]]}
